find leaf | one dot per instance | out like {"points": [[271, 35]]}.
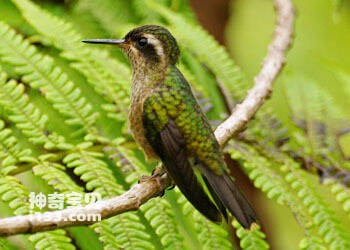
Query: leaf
{"points": [[41, 73]]}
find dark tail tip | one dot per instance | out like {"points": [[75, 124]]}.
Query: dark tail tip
{"points": [[231, 197]]}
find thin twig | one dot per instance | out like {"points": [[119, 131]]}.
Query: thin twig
{"points": [[141, 193], [271, 67]]}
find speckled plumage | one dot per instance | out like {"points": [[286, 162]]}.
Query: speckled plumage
{"points": [[168, 124], [172, 99]]}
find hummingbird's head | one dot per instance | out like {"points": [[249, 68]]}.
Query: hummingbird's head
{"points": [[149, 45]]}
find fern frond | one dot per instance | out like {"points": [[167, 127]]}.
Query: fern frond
{"points": [[266, 176], [11, 154], [158, 212], [52, 240], [210, 235], [263, 177], [342, 195], [328, 225], [94, 172], [123, 231], [109, 77], [250, 239], [26, 116], [14, 194], [208, 50], [267, 131], [311, 243], [318, 124], [41, 73], [126, 231], [54, 175], [317, 114], [161, 217]]}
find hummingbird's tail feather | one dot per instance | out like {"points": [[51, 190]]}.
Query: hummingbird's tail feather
{"points": [[171, 150], [230, 196], [217, 200]]}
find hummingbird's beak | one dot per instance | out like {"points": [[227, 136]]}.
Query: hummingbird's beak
{"points": [[118, 42]]}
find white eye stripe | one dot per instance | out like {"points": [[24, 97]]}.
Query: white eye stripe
{"points": [[156, 44]]}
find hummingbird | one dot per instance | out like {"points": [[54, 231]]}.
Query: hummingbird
{"points": [[167, 122]]}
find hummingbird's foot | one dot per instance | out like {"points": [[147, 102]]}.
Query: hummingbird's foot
{"points": [[157, 173]]}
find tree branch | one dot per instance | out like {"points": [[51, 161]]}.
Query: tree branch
{"points": [[142, 192], [271, 67]]}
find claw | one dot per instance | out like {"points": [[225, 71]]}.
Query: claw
{"points": [[157, 173]]}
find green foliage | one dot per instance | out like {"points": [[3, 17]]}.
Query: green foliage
{"points": [[15, 195], [11, 153], [27, 117], [39, 71], [54, 174], [253, 239], [124, 231], [48, 75], [52, 240]]}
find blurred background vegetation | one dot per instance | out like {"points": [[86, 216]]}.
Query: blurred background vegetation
{"points": [[311, 96], [320, 56]]}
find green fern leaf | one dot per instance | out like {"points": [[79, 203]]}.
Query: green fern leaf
{"points": [[94, 172], [319, 115], [26, 116], [311, 243], [161, 217], [124, 231], [14, 194], [11, 154], [55, 176], [128, 231], [41, 73], [328, 225], [342, 195], [52, 240], [109, 77], [159, 213], [266, 176], [210, 235], [250, 239]]}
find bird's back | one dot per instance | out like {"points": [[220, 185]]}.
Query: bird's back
{"points": [[181, 106]]}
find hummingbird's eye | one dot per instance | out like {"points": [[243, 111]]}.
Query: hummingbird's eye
{"points": [[142, 42]]}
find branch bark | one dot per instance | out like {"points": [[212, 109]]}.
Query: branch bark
{"points": [[270, 69], [142, 192]]}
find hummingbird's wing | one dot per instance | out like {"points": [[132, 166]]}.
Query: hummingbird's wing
{"points": [[170, 145], [177, 130]]}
